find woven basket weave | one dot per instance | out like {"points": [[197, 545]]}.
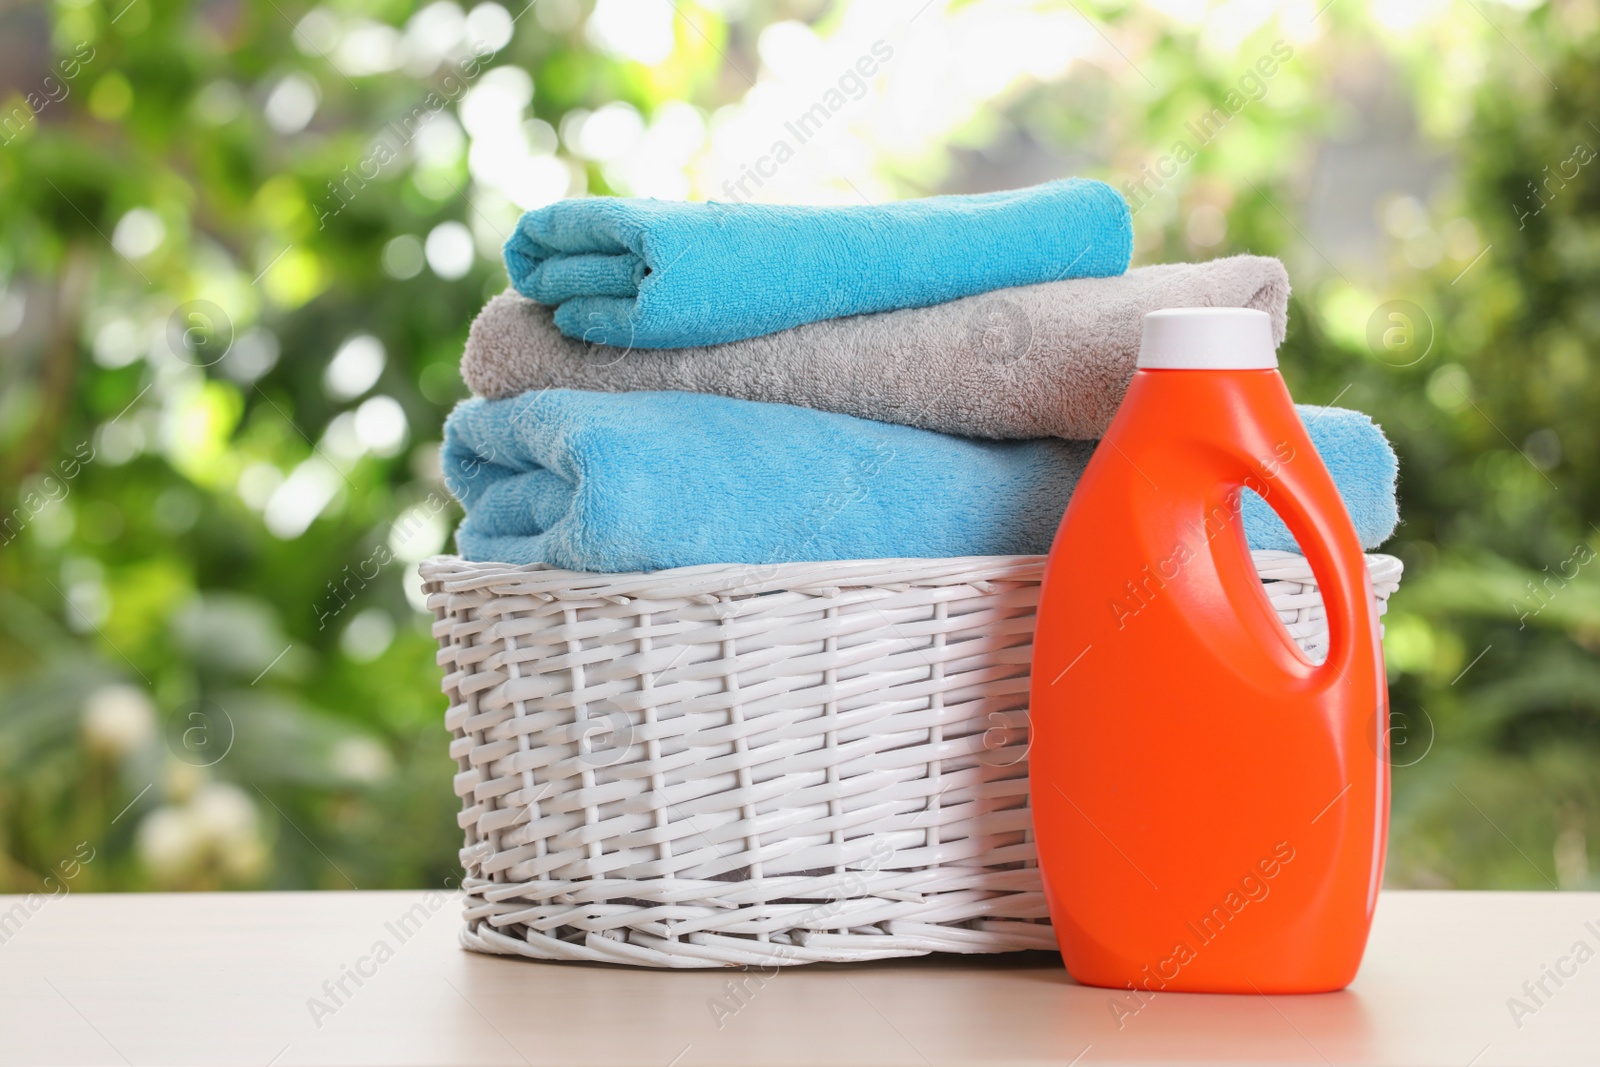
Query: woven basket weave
{"points": [[739, 765]]}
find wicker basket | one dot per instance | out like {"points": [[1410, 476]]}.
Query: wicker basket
{"points": [[755, 766]]}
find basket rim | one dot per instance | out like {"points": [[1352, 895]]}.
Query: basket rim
{"points": [[452, 574]]}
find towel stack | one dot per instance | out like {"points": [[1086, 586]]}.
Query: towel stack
{"points": [[673, 384]]}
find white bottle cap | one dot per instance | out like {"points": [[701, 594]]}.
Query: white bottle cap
{"points": [[1208, 339]]}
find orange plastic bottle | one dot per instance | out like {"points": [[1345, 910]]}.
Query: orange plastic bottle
{"points": [[1211, 808]]}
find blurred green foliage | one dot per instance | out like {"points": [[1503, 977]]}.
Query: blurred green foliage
{"points": [[235, 280]]}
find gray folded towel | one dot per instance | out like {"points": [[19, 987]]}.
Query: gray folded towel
{"points": [[1048, 360]]}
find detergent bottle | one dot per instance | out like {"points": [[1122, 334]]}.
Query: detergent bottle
{"points": [[1211, 807]]}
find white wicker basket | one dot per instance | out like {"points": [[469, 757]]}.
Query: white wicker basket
{"points": [[737, 765]]}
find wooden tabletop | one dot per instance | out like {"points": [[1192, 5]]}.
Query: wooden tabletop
{"points": [[255, 978]]}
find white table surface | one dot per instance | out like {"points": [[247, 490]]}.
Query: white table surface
{"points": [[229, 979]]}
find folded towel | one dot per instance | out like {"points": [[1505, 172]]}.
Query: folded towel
{"points": [[642, 481], [668, 274], [1049, 360]]}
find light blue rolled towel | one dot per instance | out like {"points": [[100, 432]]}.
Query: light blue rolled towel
{"points": [[643, 481], [670, 274]]}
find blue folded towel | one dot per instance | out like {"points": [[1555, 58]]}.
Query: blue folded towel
{"points": [[667, 274], [643, 481]]}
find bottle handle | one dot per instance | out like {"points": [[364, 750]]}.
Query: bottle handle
{"points": [[1299, 488]]}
